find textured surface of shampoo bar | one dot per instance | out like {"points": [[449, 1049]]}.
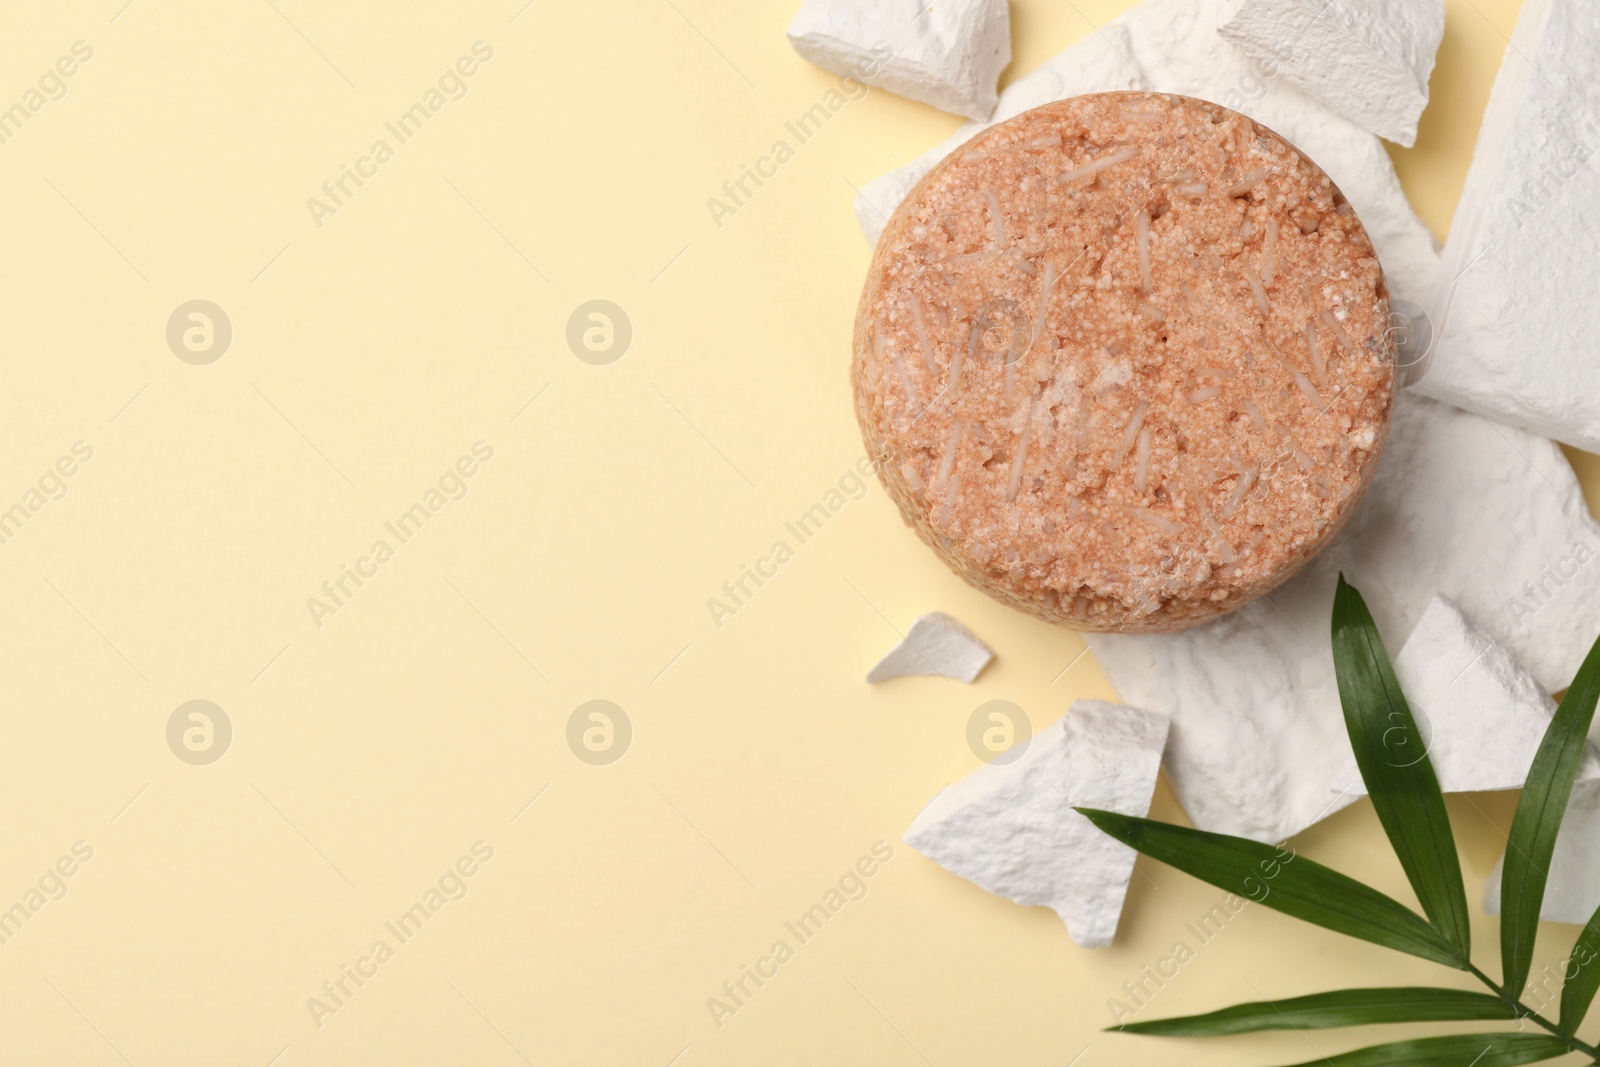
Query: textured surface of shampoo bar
{"points": [[1124, 361]]}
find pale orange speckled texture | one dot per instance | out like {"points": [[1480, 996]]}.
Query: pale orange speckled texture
{"points": [[1124, 361]]}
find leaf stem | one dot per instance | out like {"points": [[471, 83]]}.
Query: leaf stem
{"points": [[1539, 1020]]}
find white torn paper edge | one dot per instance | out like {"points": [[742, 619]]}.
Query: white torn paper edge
{"points": [[1516, 312], [948, 54], [1172, 46], [1010, 828], [936, 644], [1369, 60], [1572, 892], [1489, 516], [1482, 715]]}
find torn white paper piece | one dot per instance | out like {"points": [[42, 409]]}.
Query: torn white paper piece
{"points": [[1369, 60], [1481, 713], [1516, 311], [1010, 827], [937, 644], [1171, 46], [948, 54], [1489, 516], [1573, 891]]}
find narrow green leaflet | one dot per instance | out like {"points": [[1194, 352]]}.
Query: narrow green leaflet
{"points": [[1538, 818], [1395, 766], [1583, 977], [1457, 1050], [1323, 1011], [1283, 881]]}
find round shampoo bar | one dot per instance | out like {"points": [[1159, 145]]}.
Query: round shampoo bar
{"points": [[1123, 361]]}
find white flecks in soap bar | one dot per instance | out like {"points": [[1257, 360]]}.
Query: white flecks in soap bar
{"points": [[1010, 827], [1481, 713], [937, 644], [1172, 46], [1176, 44], [1369, 60], [1516, 310], [1489, 516], [948, 54], [1573, 891]]}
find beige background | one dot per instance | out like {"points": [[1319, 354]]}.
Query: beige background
{"points": [[372, 752]]}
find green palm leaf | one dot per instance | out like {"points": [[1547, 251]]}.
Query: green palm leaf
{"points": [[1538, 819], [1395, 766], [1284, 882], [1323, 1011], [1457, 1050], [1583, 977]]}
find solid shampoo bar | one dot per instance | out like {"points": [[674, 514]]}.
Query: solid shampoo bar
{"points": [[1124, 361]]}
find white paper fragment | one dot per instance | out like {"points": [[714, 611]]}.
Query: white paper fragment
{"points": [[1481, 713], [1489, 516], [937, 644], [1010, 827], [1573, 891], [948, 54], [1516, 312], [1171, 46], [1369, 60]]}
